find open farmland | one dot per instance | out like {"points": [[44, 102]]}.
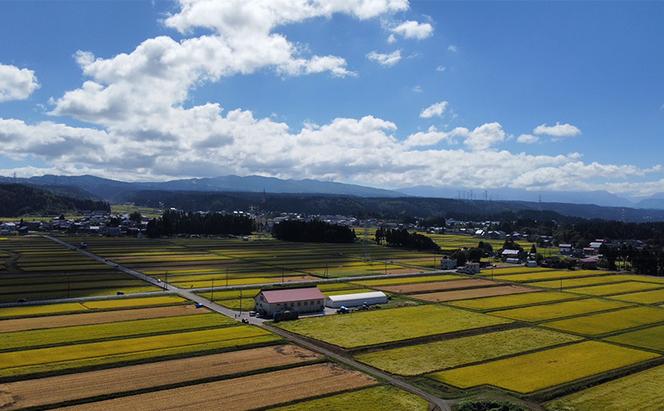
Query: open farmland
{"points": [[87, 306], [456, 241], [437, 286], [645, 297], [366, 399], [101, 317], [40, 269], [617, 288], [474, 293], [85, 355], [549, 275], [604, 323], [440, 355], [598, 280], [382, 282], [640, 391], [389, 325], [244, 393], [651, 338], [559, 310], [545, 369], [73, 387], [515, 300]]}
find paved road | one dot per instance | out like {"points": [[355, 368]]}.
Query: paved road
{"points": [[441, 404]]}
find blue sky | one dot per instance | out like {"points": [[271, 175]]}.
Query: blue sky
{"points": [[501, 69]]}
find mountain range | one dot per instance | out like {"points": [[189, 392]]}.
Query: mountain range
{"points": [[92, 187]]}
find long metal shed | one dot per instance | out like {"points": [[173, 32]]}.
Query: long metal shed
{"points": [[356, 300]]}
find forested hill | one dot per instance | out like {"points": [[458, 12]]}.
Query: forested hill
{"points": [[392, 208], [18, 200]]}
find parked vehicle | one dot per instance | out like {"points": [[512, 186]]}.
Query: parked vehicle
{"points": [[343, 310], [286, 316]]}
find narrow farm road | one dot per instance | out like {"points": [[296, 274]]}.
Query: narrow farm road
{"points": [[440, 404]]}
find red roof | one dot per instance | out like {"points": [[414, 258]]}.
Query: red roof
{"points": [[293, 294]]}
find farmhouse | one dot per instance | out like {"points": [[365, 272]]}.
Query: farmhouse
{"points": [[356, 300], [300, 300]]}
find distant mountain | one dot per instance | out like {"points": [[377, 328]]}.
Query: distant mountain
{"points": [[656, 201], [118, 191], [389, 208], [19, 200], [602, 198]]}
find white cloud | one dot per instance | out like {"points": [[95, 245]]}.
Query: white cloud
{"points": [[391, 39], [441, 68], [557, 131], [16, 83], [411, 29], [527, 139], [141, 127], [434, 110], [416, 89], [385, 59], [452, 48]]}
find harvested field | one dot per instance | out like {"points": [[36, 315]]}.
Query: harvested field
{"points": [[516, 300], [133, 302], [644, 297], [69, 357], [559, 310], [585, 281], [545, 369], [436, 286], [440, 355], [101, 317], [604, 323], [380, 398], [641, 391], [243, 393], [517, 270], [474, 293], [650, 338], [39, 392], [551, 275], [618, 288], [407, 280], [389, 325]]}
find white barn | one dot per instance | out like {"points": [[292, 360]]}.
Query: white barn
{"points": [[356, 300]]}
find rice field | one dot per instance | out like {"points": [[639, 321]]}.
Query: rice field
{"points": [[389, 325], [545, 369], [379, 398], [122, 351], [440, 355], [618, 288], [114, 381], [244, 393], [650, 338], [640, 391], [515, 300], [443, 296], [383, 282], [604, 323], [559, 310], [585, 281], [550, 275], [437, 286], [645, 297]]}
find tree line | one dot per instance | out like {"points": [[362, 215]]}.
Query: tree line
{"points": [[181, 222], [405, 239], [314, 231], [17, 200]]}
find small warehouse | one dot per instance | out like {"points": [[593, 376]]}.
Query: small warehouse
{"points": [[356, 300], [300, 300]]}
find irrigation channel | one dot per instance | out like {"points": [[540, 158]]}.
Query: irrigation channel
{"points": [[189, 294]]}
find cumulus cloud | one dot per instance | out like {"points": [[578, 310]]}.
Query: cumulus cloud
{"points": [[441, 68], [16, 83], [434, 110], [141, 128], [385, 59], [557, 131], [527, 139], [452, 48], [411, 29]]}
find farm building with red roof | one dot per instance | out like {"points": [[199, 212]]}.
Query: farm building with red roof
{"points": [[300, 300]]}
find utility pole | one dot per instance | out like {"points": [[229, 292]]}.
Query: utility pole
{"points": [[212, 296], [227, 277], [240, 303], [282, 274], [68, 286]]}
